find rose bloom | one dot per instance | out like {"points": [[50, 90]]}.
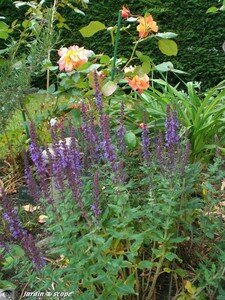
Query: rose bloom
{"points": [[125, 12], [139, 83], [146, 25], [72, 58]]}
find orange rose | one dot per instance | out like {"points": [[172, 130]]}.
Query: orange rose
{"points": [[139, 83], [125, 12], [146, 26]]}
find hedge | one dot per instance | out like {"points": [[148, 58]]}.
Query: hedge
{"points": [[200, 35]]}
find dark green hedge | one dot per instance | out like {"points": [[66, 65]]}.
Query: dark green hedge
{"points": [[200, 35]]}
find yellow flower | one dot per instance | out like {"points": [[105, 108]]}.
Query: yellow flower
{"points": [[146, 26], [72, 58]]}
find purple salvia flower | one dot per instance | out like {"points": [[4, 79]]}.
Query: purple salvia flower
{"points": [[73, 172], [30, 181], [145, 142], [121, 131], [19, 234], [172, 126], [98, 94], [95, 207], [160, 151], [28, 244], [10, 215], [57, 166], [171, 137], [107, 145], [37, 158], [93, 140]]}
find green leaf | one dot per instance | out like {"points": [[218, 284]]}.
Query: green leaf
{"points": [[164, 67], [166, 35], [92, 28], [4, 30], [130, 139], [109, 88], [105, 59], [145, 264], [212, 10], [168, 47], [6, 285]]}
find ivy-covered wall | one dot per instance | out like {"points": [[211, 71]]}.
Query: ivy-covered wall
{"points": [[200, 35]]}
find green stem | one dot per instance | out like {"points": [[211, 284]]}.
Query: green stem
{"points": [[24, 120], [132, 54], [116, 45]]}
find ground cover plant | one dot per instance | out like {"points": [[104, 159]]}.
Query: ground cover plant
{"points": [[125, 175]]}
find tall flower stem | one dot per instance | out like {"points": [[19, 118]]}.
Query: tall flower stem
{"points": [[116, 45], [132, 54]]}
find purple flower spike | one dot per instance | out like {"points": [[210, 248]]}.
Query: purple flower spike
{"points": [[18, 233], [37, 158], [29, 177], [172, 127], [107, 145], [160, 151], [95, 207], [28, 244], [98, 94], [121, 131]]}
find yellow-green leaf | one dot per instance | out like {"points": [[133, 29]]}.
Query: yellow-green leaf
{"points": [[92, 28], [168, 47], [190, 288]]}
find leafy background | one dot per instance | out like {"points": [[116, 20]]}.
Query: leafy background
{"points": [[200, 35]]}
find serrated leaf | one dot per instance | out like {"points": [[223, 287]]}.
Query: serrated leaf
{"points": [[109, 88], [166, 35], [92, 28], [168, 47], [130, 139]]}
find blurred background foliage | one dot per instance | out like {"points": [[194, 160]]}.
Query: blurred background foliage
{"points": [[200, 34]]}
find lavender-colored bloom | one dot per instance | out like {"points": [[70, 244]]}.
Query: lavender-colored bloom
{"points": [[145, 143], [95, 207], [172, 126], [73, 172], [98, 94], [10, 215], [160, 151], [121, 131], [107, 145], [30, 181], [19, 234], [93, 140], [57, 166], [36, 155], [28, 244]]}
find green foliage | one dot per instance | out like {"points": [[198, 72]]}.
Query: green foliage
{"points": [[200, 49], [201, 114]]}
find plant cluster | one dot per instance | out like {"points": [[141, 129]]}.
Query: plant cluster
{"points": [[114, 230]]}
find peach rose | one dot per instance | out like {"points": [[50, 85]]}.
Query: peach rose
{"points": [[139, 83], [146, 26], [72, 58]]}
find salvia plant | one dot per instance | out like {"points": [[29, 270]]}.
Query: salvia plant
{"points": [[115, 222]]}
